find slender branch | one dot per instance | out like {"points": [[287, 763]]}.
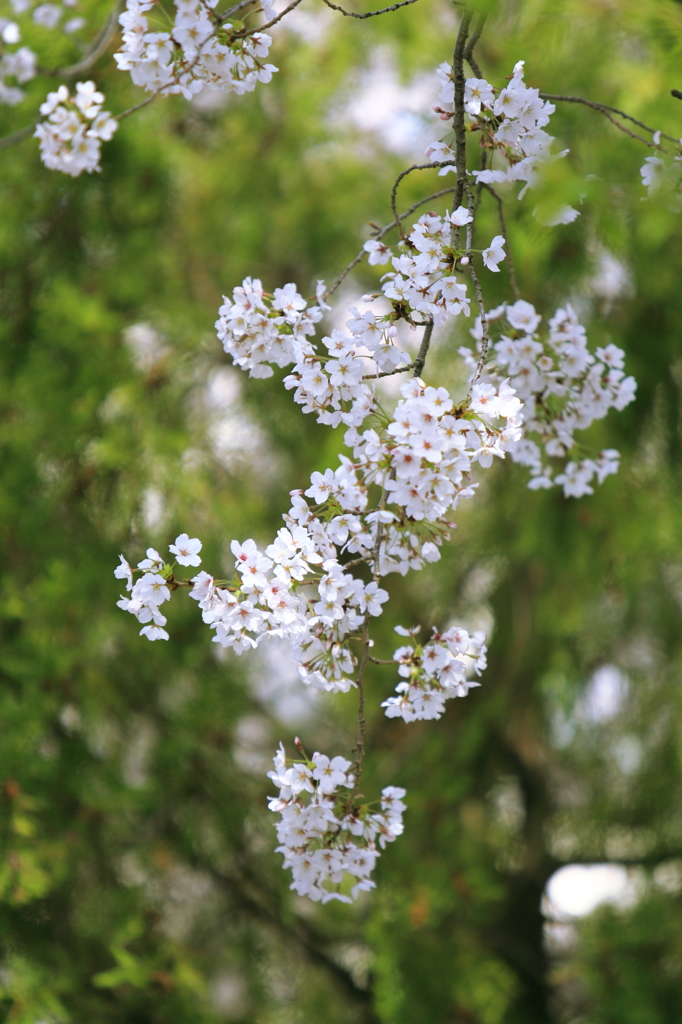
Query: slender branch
{"points": [[100, 45], [485, 340], [382, 661], [503, 226], [138, 106], [261, 28], [403, 174], [23, 133], [370, 14], [247, 893], [389, 373], [359, 749], [380, 234], [469, 51], [458, 119], [234, 10], [423, 350], [604, 109]]}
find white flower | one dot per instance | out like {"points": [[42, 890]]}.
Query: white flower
{"points": [[494, 254], [186, 550], [477, 93], [461, 216]]}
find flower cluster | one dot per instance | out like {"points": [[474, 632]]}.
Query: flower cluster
{"points": [[257, 328], [47, 15], [563, 387], [324, 837], [71, 136], [16, 66], [153, 587], [202, 49], [512, 122], [270, 597], [404, 469], [422, 281], [434, 673]]}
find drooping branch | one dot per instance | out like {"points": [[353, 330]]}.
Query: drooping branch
{"points": [[99, 46], [423, 350], [369, 14], [458, 118], [469, 51], [607, 111], [380, 234], [503, 228], [403, 174]]}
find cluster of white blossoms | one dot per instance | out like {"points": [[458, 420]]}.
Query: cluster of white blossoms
{"points": [[422, 280], [324, 837], [386, 506], [16, 66], [435, 673], [152, 589], [257, 328], [75, 126], [512, 122], [202, 49], [563, 386]]}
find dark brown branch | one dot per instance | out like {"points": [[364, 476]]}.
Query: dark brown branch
{"points": [[138, 106], [370, 14], [485, 340], [676, 93], [469, 51], [246, 894], [458, 119], [23, 133], [646, 859], [389, 373], [100, 45], [261, 28], [380, 234], [403, 174], [423, 350], [604, 109], [503, 227]]}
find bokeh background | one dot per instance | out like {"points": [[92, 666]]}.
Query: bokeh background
{"points": [[539, 878]]}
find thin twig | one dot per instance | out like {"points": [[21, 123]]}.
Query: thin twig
{"points": [[389, 373], [261, 28], [138, 106], [469, 52], [403, 174], [234, 10], [503, 226], [604, 109], [380, 234], [23, 133], [485, 340], [423, 350], [370, 14], [100, 45], [458, 119]]}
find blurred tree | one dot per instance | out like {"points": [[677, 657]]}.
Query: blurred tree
{"points": [[138, 880]]}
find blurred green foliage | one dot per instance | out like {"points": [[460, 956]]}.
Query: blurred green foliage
{"points": [[138, 881]]}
